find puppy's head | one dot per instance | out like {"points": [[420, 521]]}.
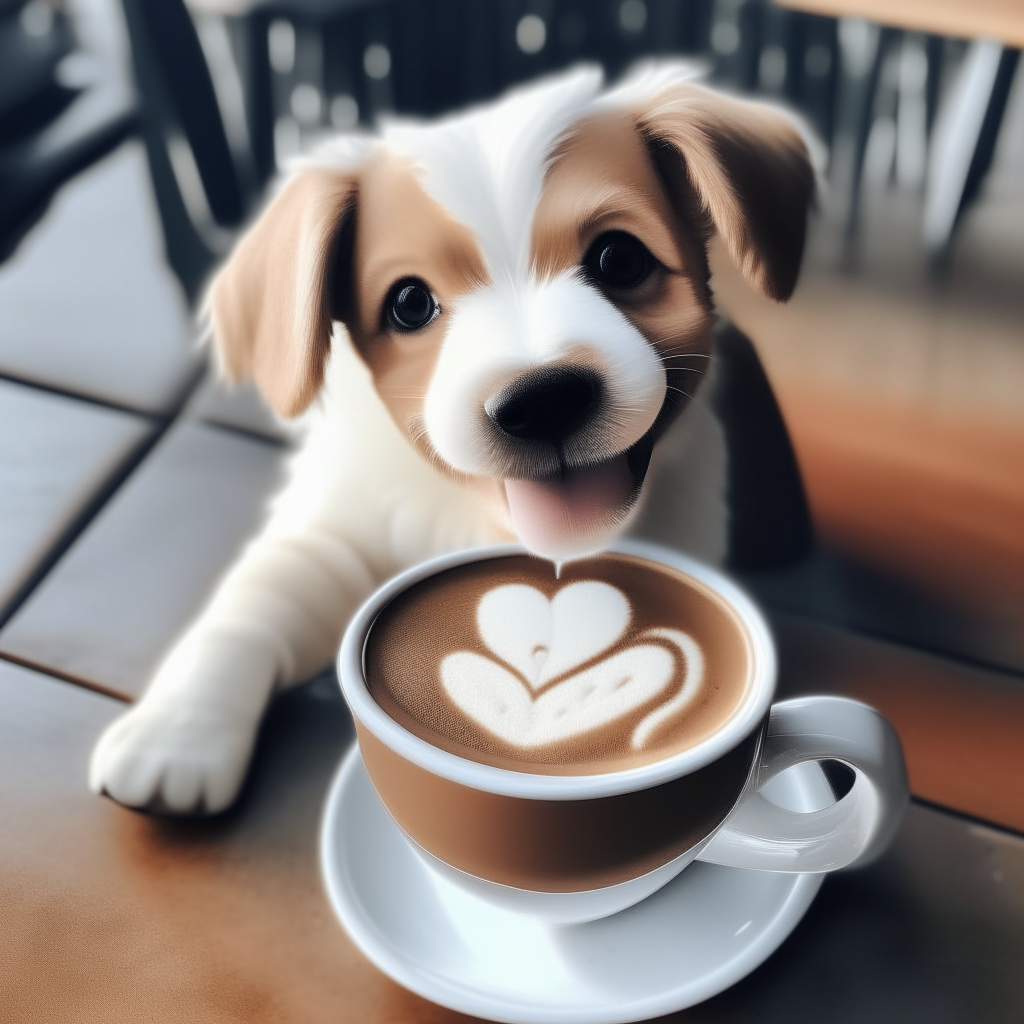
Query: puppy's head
{"points": [[527, 282]]}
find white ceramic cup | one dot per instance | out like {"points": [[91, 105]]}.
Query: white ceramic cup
{"points": [[424, 787]]}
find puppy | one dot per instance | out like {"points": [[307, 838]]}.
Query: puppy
{"points": [[493, 327]]}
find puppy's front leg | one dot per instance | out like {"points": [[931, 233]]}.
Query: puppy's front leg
{"points": [[275, 619]]}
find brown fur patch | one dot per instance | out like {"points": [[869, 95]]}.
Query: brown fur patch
{"points": [[603, 178], [271, 304], [403, 232], [689, 162], [750, 168]]}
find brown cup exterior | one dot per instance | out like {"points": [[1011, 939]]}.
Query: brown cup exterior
{"points": [[557, 846]]}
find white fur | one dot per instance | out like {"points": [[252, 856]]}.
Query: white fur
{"points": [[649, 78], [503, 329], [487, 165], [684, 497], [361, 505]]}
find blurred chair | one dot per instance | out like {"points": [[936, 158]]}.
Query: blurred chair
{"points": [[967, 126], [60, 112], [299, 68], [338, 62], [965, 138], [206, 170]]}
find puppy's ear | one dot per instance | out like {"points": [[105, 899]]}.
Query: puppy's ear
{"points": [[272, 304], [751, 173]]}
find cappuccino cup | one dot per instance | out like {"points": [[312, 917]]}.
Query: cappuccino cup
{"points": [[562, 743]]}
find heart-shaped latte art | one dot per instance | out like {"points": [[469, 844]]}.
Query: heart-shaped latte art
{"points": [[543, 639], [497, 700]]}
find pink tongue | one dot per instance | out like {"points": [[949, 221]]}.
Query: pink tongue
{"points": [[574, 515]]}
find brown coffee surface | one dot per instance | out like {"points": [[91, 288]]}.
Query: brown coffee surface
{"points": [[435, 669]]}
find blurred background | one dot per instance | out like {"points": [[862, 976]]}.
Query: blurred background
{"points": [[137, 137], [899, 364]]}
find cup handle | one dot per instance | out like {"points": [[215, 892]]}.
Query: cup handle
{"points": [[852, 831]]}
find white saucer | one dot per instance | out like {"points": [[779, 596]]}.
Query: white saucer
{"points": [[700, 934]]}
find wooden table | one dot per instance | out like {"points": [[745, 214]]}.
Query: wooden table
{"points": [[996, 19], [113, 916]]}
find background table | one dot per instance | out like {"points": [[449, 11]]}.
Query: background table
{"points": [[997, 19]]}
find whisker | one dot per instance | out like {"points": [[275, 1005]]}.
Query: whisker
{"points": [[685, 394], [700, 399], [680, 350], [422, 443], [688, 369]]}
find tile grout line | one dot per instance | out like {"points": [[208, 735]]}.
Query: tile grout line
{"points": [[250, 435], [92, 507], [1013, 675], [77, 396], [104, 691], [64, 677], [973, 819]]}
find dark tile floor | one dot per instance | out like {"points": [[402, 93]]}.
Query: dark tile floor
{"points": [[140, 570]]}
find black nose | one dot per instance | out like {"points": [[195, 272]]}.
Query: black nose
{"points": [[547, 404]]}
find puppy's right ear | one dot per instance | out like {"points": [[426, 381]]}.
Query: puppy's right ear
{"points": [[272, 304], [751, 171]]}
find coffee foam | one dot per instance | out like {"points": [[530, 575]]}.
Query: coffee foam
{"points": [[616, 663]]}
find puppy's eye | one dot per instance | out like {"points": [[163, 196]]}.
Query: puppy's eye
{"points": [[410, 305], [618, 259]]}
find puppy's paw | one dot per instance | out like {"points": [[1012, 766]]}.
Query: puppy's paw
{"points": [[174, 757]]}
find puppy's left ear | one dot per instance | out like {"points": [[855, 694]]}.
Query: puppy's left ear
{"points": [[272, 304], [750, 170]]}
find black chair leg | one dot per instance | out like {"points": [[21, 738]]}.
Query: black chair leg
{"points": [[861, 93]]}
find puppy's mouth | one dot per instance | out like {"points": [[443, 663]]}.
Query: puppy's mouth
{"points": [[580, 510], [561, 505]]}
